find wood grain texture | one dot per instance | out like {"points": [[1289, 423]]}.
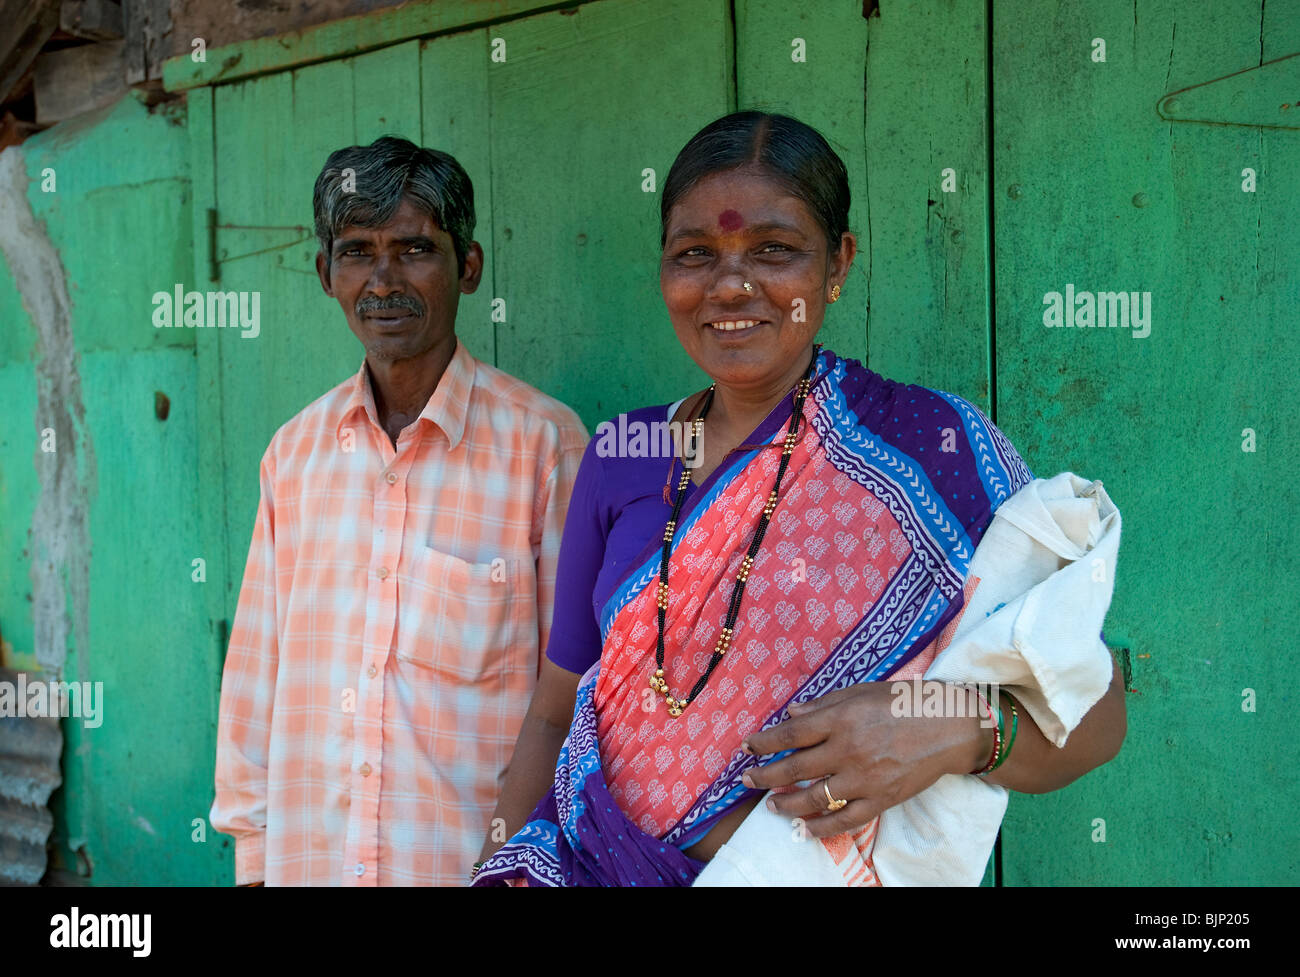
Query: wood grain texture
{"points": [[455, 109], [825, 90], [1208, 571], [296, 42], [578, 113], [120, 222], [928, 253]]}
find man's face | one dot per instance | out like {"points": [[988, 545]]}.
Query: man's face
{"points": [[398, 284]]}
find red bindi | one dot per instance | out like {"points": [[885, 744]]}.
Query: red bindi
{"points": [[729, 220]]}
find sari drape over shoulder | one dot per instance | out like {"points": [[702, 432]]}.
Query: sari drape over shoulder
{"points": [[887, 494]]}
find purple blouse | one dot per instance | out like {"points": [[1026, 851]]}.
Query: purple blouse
{"points": [[617, 507]]}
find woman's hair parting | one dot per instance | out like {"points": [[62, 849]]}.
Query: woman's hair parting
{"points": [[794, 154]]}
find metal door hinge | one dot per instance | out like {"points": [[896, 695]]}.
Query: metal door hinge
{"points": [[216, 259], [1267, 96]]}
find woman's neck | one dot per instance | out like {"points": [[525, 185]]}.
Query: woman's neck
{"points": [[739, 410]]}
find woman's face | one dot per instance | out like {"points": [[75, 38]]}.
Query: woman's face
{"points": [[741, 226]]}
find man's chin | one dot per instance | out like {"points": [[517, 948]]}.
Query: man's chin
{"points": [[394, 349], [391, 351]]}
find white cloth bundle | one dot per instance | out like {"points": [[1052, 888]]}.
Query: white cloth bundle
{"points": [[1046, 570]]}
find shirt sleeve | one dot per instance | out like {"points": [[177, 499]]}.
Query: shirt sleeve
{"points": [[247, 697], [574, 643]]}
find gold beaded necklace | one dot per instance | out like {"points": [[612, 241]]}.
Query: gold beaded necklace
{"points": [[657, 680]]}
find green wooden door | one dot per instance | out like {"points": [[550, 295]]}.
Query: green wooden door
{"points": [[1093, 188], [559, 138], [555, 137], [991, 164]]}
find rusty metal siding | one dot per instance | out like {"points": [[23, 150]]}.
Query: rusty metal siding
{"points": [[29, 772]]}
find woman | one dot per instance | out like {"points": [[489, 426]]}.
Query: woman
{"points": [[820, 544]]}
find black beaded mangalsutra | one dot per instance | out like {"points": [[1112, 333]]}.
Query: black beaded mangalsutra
{"points": [[657, 680]]}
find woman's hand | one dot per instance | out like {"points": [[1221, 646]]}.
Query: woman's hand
{"points": [[873, 758], [876, 760]]}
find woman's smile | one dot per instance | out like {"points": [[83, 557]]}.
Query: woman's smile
{"points": [[735, 325], [744, 274]]}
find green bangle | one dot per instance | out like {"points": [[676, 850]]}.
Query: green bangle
{"points": [[994, 708], [1015, 724]]}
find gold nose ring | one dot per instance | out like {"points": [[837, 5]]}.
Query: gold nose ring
{"points": [[748, 287]]}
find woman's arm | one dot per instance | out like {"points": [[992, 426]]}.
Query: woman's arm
{"points": [[573, 645], [1036, 766], [532, 767], [875, 759]]}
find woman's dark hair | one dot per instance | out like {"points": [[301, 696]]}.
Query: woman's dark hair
{"points": [[791, 152]]}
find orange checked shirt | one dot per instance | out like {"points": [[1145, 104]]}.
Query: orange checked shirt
{"points": [[390, 627]]}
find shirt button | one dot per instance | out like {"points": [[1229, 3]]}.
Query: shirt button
{"points": [[371, 671], [365, 770], [360, 869], [383, 573], [392, 478]]}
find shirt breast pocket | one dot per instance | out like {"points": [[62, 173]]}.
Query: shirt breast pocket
{"points": [[458, 618]]}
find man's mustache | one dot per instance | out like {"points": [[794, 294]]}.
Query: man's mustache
{"points": [[407, 303]]}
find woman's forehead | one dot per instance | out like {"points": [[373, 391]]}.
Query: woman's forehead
{"points": [[734, 200]]}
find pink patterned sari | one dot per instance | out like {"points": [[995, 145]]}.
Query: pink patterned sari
{"points": [[860, 575]]}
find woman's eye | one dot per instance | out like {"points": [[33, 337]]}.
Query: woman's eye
{"points": [[773, 247], [691, 254]]}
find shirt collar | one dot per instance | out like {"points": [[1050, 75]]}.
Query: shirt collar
{"points": [[447, 408]]}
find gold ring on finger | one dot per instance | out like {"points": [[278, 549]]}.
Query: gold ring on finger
{"points": [[833, 803]]}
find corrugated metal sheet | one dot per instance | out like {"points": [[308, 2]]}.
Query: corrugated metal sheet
{"points": [[29, 773]]}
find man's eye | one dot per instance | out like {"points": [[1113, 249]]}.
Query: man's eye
{"points": [[419, 247], [693, 253]]}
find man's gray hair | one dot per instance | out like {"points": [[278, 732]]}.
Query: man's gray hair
{"points": [[378, 177]]}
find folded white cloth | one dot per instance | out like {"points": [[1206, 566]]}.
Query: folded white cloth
{"points": [[1046, 570]]}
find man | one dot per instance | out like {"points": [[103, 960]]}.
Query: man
{"points": [[400, 577]]}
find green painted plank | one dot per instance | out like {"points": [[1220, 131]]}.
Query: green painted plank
{"points": [[927, 264], [212, 541], [121, 219], [455, 108], [578, 111], [818, 81], [120, 222], [121, 246], [17, 337], [341, 38], [251, 122], [272, 137], [380, 107], [109, 140], [1110, 197], [19, 490], [146, 771]]}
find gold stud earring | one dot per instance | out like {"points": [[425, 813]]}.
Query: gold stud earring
{"points": [[835, 293]]}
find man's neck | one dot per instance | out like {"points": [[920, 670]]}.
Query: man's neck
{"points": [[402, 388]]}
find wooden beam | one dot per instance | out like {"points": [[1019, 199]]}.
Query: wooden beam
{"points": [[28, 25], [145, 24], [343, 38], [77, 80], [94, 20]]}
